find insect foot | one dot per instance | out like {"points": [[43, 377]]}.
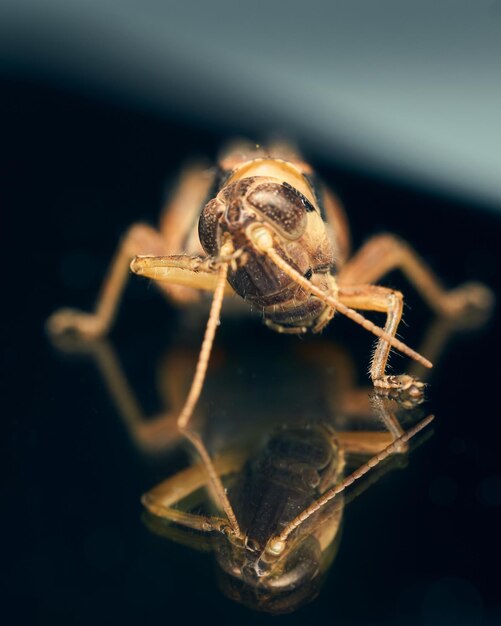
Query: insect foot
{"points": [[71, 321], [407, 390], [470, 303]]}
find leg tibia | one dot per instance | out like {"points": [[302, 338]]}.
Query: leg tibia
{"points": [[374, 298]]}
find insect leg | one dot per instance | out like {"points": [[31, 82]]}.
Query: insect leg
{"points": [[140, 238], [183, 270], [179, 217], [180, 270], [161, 501], [385, 253], [151, 434], [364, 442], [375, 298]]}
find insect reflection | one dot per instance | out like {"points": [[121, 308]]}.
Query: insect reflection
{"points": [[268, 488], [278, 445]]}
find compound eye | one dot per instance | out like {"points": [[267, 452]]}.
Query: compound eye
{"points": [[283, 206], [208, 226]]}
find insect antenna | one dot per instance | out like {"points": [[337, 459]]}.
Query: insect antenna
{"points": [[196, 389], [279, 541], [263, 240]]}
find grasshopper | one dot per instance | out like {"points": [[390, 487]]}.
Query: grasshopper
{"points": [[262, 226]]}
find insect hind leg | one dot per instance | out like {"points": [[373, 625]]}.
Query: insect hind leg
{"points": [[384, 253]]}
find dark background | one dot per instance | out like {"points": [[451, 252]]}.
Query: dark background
{"points": [[418, 548], [83, 157]]}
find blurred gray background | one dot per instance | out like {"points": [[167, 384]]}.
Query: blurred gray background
{"points": [[408, 89]]}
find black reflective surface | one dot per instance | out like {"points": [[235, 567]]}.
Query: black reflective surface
{"points": [[418, 547]]}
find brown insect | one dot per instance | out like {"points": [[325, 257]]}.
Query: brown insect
{"points": [[262, 226]]}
